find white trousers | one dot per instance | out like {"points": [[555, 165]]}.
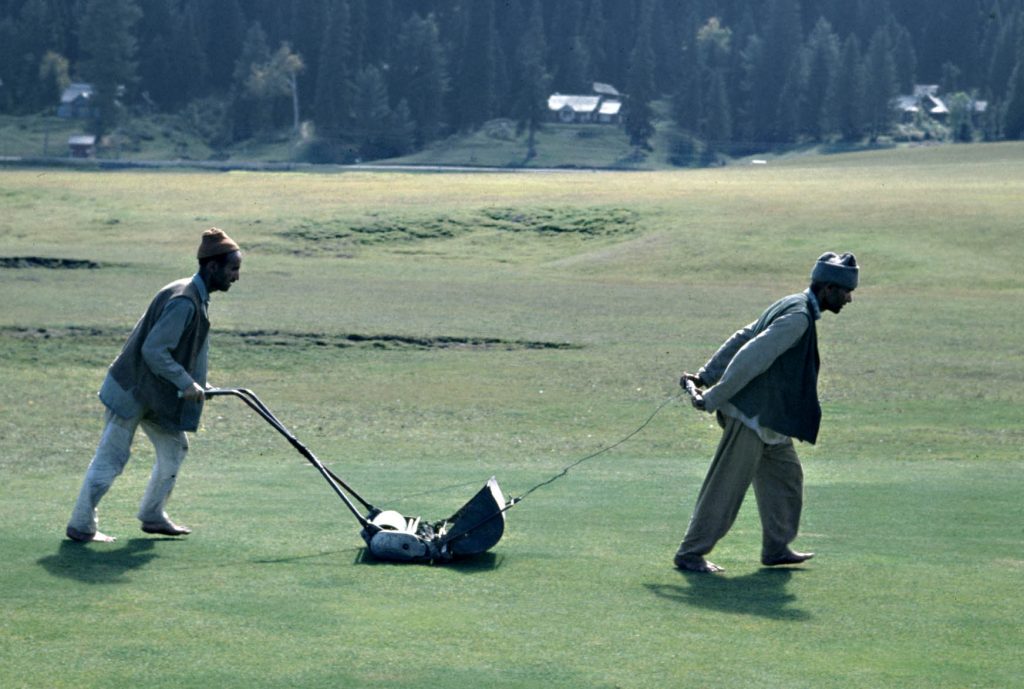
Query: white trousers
{"points": [[112, 455]]}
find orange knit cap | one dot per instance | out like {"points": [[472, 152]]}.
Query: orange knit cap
{"points": [[215, 243]]}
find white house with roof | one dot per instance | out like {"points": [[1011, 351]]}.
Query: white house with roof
{"points": [[603, 106], [925, 99]]}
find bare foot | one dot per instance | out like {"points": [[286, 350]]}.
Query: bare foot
{"points": [[84, 536]]}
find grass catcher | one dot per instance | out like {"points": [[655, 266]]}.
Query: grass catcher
{"points": [[390, 535]]}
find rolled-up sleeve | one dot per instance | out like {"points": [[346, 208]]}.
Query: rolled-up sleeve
{"points": [[164, 337]]}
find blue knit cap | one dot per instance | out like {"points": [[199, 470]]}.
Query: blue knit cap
{"points": [[837, 270]]}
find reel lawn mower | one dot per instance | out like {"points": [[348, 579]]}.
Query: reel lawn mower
{"points": [[390, 535]]}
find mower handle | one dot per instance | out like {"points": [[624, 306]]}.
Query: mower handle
{"points": [[696, 397], [254, 403]]}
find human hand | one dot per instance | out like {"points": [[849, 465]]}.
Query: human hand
{"points": [[194, 393], [693, 378], [690, 383]]}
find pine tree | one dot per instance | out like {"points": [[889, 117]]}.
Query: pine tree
{"points": [[251, 114], [904, 58], [306, 29], [155, 67], [420, 76], [639, 116], [718, 122], [687, 98], [226, 30], [593, 37], [36, 35], [872, 15], [1013, 115], [371, 114], [881, 85], [1004, 56], [380, 33], [8, 36], [851, 91], [475, 94], [823, 62], [399, 137], [332, 103], [568, 56], [788, 121], [759, 98], [359, 33], [109, 43], [713, 49], [189, 74], [953, 32], [534, 85]]}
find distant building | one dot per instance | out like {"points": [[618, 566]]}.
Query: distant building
{"points": [[978, 109], [602, 106], [76, 102], [574, 109], [608, 112], [82, 146], [925, 99]]}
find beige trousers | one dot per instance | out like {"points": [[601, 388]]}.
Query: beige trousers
{"points": [[112, 455], [743, 458]]}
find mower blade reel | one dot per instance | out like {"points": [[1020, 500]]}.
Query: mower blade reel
{"points": [[393, 536], [478, 526]]}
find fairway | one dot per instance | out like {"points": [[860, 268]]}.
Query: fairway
{"points": [[423, 332]]}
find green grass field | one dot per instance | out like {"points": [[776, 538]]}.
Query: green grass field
{"points": [[353, 290]]}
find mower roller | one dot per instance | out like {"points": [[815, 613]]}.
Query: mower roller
{"points": [[389, 534]]}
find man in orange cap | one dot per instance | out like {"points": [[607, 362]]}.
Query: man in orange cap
{"points": [[158, 382]]}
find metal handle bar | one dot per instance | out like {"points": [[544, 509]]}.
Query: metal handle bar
{"points": [[254, 403]]}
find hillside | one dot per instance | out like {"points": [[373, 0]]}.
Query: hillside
{"points": [[157, 138], [496, 144]]}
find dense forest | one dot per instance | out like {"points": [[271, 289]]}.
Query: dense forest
{"points": [[379, 78]]}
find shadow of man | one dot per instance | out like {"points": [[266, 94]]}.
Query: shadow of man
{"points": [[762, 593], [94, 566]]}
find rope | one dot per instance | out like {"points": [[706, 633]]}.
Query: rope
{"points": [[554, 478], [515, 501], [566, 470]]}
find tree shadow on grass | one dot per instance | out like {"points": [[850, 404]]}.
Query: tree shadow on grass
{"points": [[90, 565], [762, 593]]}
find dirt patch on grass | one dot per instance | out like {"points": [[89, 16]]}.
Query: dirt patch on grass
{"points": [[278, 338], [47, 262], [16, 333]]}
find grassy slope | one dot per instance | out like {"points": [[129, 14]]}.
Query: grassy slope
{"points": [[166, 138], [912, 492]]}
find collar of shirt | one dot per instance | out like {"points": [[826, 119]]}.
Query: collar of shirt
{"points": [[204, 294], [813, 301]]}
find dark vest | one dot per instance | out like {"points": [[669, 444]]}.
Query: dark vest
{"points": [[785, 397], [158, 396]]}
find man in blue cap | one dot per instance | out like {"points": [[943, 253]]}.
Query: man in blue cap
{"points": [[762, 384]]}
